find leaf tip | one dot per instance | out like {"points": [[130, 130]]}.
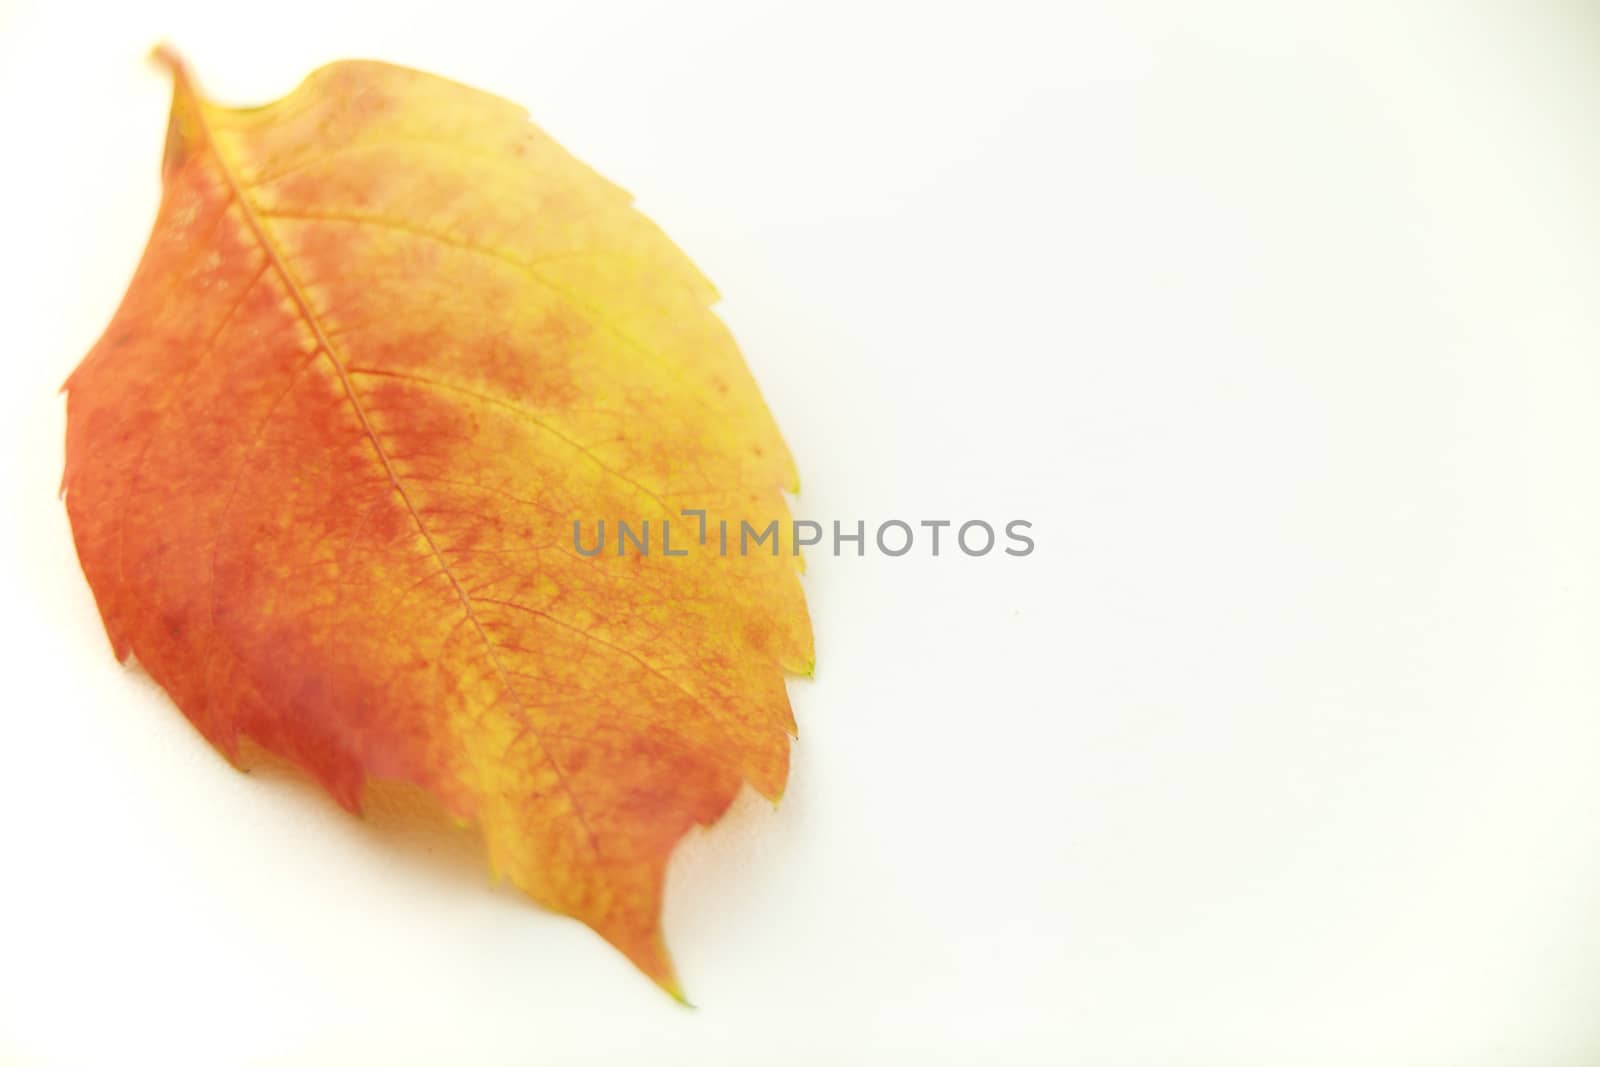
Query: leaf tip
{"points": [[674, 989]]}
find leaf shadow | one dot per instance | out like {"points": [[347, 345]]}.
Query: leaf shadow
{"points": [[400, 819]]}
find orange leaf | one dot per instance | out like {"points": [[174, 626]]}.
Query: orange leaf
{"points": [[388, 342]]}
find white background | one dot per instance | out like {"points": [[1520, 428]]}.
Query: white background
{"points": [[1280, 326]]}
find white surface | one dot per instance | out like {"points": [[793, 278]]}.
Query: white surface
{"points": [[1280, 749]]}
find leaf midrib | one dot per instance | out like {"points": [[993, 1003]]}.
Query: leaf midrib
{"points": [[280, 266]]}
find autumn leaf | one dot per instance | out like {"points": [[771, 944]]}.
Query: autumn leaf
{"points": [[388, 342]]}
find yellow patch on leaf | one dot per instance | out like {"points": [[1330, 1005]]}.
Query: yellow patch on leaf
{"points": [[388, 342]]}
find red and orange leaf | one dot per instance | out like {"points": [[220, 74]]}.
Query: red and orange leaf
{"points": [[387, 343]]}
